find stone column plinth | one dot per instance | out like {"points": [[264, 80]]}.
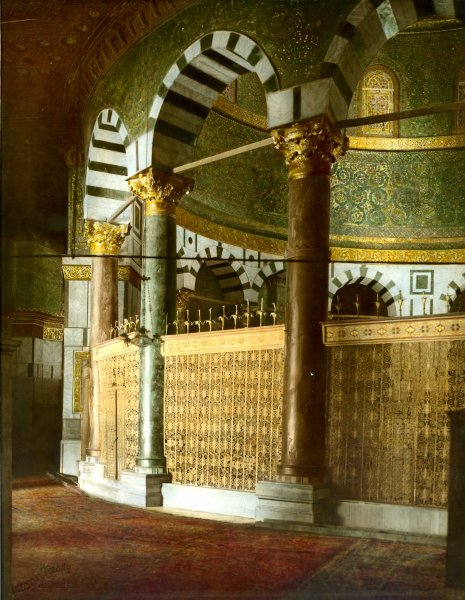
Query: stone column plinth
{"points": [[160, 193], [309, 149]]}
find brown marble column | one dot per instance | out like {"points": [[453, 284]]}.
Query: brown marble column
{"points": [[309, 149], [105, 241]]}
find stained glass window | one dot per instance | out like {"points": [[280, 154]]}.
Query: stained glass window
{"points": [[378, 95], [460, 97]]}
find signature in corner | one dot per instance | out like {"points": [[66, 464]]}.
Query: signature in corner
{"points": [[45, 574]]}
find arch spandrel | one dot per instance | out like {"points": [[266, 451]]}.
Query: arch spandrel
{"points": [[368, 26]]}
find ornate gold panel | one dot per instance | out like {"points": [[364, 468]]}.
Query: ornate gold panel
{"points": [[53, 333], [384, 331], [84, 272], [119, 408], [438, 142], [77, 272], [375, 255], [79, 357], [388, 430], [223, 416]]}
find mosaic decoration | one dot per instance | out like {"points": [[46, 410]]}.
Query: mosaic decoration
{"points": [[414, 194], [78, 358], [377, 98], [256, 201], [460, 115], [388, 435], [223, 414], [118, 374], [76, 236]]}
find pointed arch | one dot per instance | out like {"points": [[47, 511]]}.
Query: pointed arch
{"points": [[107, 168]]}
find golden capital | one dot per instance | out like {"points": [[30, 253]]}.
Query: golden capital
{"points": [[310, 147], [105, 238], [160, 191]]}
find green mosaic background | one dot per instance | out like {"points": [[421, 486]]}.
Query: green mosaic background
{"points": [[399, 194], [416, 195]]}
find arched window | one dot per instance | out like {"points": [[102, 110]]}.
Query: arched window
{"points": [[358, 300], [459, 96], [378, 94]]}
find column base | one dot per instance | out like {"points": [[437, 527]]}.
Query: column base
{"points": [[135, 489], [294, 502], [91, 468], [142, 489], [150, 470]]}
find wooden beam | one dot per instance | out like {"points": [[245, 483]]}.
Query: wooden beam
{"points": [[404, 114], [222, 155], [344, 124]]}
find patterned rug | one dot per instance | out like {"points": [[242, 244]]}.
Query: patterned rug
{"points": [[68, 546]]}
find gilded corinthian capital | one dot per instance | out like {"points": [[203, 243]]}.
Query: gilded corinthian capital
{"points": [[159, 191], [105, 238], [310, 147]]}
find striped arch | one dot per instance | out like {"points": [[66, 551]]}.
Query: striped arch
{"points": [[227, 269], [368, 26], [190, 89], [376, 280], [107, 169], [268, 270], [454, 289]]}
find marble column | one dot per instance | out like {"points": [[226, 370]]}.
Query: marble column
{"points": [[160, 193], [105, 241], [309, 149]]}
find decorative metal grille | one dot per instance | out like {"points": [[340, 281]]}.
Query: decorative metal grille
{"points": [[388, 433], [223, 417], [119, 410]]}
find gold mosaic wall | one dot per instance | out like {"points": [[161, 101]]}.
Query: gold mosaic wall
{"points": [[388, 434], [223, 415], [119, 408]]}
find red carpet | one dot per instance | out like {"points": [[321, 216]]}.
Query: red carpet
{"points": [[69, 546]]}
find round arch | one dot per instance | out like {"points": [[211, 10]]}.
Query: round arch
{"points": [[271, 268], [368, 26], [226, 268], [191, 87], [381, 284], [107, 168]]}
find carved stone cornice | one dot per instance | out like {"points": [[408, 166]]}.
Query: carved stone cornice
{"points": [[231, 340], [159, 191], [34, 323], [310, 147], [105, 238]]}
